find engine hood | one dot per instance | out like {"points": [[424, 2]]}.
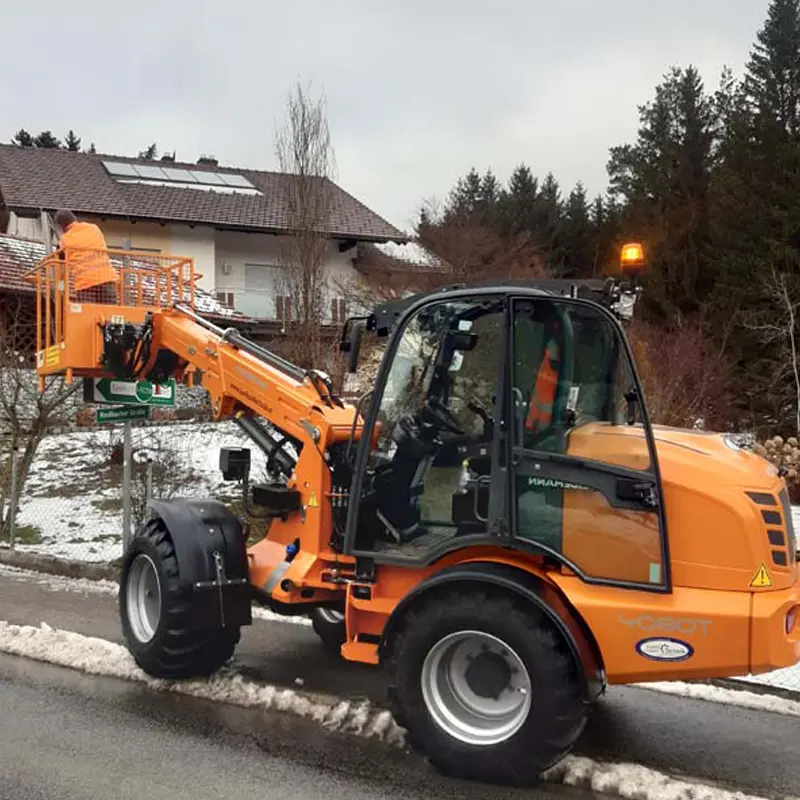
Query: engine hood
{"points": [[683, 455], [676, 446]]}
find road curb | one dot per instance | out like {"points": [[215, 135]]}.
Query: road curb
{"points": [[50, 565]]}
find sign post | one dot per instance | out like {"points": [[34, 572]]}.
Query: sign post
{"points": [[121, 414], [131, 400], [127, 457], [135, 393]]}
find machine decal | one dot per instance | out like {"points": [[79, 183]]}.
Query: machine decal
{"points": [[650, 624], [52, 356], [664, 649], [554, 483], [572, 402], [762, 578]]}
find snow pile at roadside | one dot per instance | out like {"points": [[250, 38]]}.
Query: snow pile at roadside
{"points": [[99, 657], [720, 694], [634, 781]]}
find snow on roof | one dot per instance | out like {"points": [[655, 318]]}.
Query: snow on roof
{"points": [[411, 253]]}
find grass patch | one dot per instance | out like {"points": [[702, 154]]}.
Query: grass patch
{"points": [[108, 504], [65, 491], [24, 534]]}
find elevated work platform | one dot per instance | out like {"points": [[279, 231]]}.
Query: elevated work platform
{"points": [[71, 306]]}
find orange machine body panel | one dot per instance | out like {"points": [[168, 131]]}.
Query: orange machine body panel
{"points": [[719, 536]]}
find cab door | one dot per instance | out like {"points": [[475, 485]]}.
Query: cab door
{"points": [[585, 485], [432, 481]]}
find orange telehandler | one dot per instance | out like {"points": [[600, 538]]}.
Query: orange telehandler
{"points": [[496, 521]]}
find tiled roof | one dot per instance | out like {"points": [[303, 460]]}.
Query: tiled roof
{"points": [[20, 256], [34, 179]]}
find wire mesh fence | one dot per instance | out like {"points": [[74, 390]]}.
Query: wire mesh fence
{"points": [[71, 502]]}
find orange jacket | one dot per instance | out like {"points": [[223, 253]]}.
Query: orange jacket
{"points": [[84, 248], [540, 410]]}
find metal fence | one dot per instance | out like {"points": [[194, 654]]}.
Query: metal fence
{"points": [[71, 505]]}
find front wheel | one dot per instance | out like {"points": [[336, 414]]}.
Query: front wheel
{"points": [[329, 625], [155, 613], [486, 690]]}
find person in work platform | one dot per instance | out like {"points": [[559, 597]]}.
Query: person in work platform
{"points": [[83, 246]]}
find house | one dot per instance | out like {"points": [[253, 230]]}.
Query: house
{"points": [[232, 222]]}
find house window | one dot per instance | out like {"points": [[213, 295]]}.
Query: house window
{"points": [[123, 246], [338, 310], [227, 299]]}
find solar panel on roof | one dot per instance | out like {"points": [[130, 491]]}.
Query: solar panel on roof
{"points": [[151, 173], [208, 178], [119, 169], [182, 175], [165, 176], [237, 180]]}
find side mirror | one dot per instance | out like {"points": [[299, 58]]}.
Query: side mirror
{"points": [[350, 342], [462, 340]]}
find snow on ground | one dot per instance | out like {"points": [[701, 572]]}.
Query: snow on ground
{"points": [[99, 657], [721, 694], [634, 781]]}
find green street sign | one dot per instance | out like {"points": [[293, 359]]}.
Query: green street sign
{"points": [[122, 414], [108, 390]]}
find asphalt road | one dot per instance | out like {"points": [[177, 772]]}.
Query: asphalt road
{"points": [[67, 736], [755, 751]]}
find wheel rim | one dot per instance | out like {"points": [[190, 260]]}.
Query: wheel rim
{"points": [[330, 615], [144, 598], [476, 688]]}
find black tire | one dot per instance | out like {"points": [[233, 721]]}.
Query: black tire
{"points": [[557, 712], [330, 629], [178, 648]]}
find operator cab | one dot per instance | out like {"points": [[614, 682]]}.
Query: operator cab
{"points": [[511, 414]]}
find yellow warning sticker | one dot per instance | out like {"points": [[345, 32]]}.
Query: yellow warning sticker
{"points": [[52, 356], [762, 579], [312, 501]]}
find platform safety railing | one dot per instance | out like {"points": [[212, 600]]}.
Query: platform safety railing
{"points": [[123, 278]]}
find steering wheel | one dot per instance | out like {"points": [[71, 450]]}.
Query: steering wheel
{"points": [[444, 417]]}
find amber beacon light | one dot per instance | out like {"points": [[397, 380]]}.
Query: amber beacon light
{"points": [[632, 257]]}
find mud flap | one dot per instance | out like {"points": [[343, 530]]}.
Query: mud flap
{"points": [[210, 548]]}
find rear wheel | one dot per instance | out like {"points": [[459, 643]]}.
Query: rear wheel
{"points": [[486, 690], [155, 612], [329, 625]]}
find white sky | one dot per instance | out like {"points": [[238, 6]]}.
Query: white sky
{"points": [[417, 92]]}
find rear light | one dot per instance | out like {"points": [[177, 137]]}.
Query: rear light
{"points": [[791, 620]]}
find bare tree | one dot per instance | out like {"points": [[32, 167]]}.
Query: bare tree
{"points": [[303, 149], [777, 327], [686, 377], [27, 415]]}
